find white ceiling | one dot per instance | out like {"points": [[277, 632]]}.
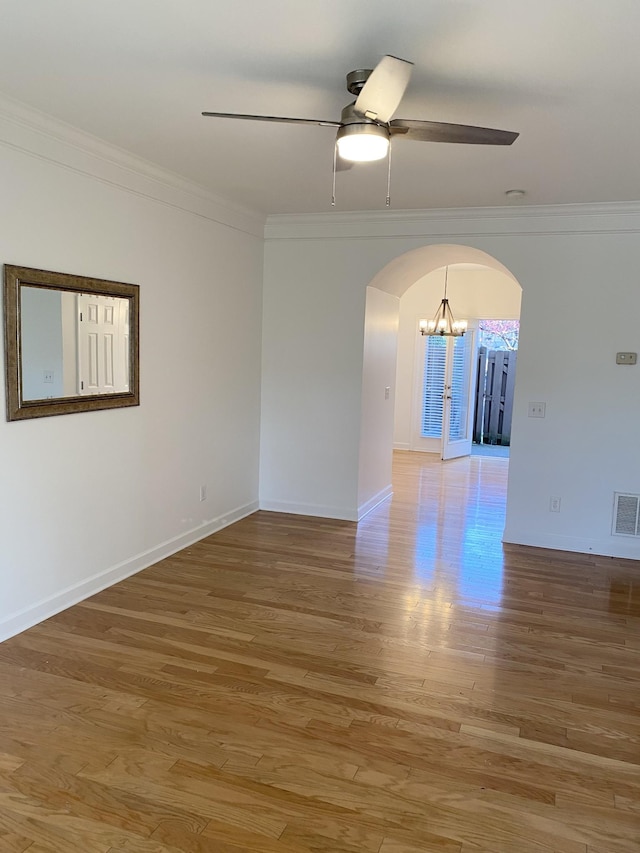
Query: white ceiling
{"points": [[564, 73]]}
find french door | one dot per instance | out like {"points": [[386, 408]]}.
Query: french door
{"points": [[443, 414]]}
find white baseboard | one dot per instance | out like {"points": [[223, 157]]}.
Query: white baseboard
{"points": [[626, 548], [401, 445], [318, 510], [376, 500], [45, 608], [326, 511], [412, 449]]}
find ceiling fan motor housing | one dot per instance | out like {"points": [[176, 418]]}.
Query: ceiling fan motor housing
{"points": [[350, 116], [357, 79]]}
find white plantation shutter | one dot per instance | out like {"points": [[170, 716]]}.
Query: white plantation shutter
{"points": [[459, 388], [435, 353]]}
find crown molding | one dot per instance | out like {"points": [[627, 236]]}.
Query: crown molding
{"points": [[610, 217], [39, 135]]}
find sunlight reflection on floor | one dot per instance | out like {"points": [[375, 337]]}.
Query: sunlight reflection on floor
{"points": [[457, 511]]}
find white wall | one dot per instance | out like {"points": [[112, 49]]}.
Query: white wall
{"points": [[473, 294], [313, 332], [586, 447], [573, 263], [88, 498], [377, 408]]}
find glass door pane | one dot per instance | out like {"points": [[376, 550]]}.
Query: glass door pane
{"points": [[459, 420]]}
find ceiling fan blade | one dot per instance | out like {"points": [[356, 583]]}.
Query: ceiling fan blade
{"points": [[383, 91], [283, 119], [439, 131]]}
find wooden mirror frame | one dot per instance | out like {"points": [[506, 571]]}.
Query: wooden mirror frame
{"points": [[18, 409]]}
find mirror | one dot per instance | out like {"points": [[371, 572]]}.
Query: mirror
{"points": [[71, 343]]}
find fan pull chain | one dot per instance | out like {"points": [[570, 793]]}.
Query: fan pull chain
{"points": [[333, 191], [389, 175]]}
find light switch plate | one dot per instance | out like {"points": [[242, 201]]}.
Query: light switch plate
{"points": [[537, 410], [626, 358]]}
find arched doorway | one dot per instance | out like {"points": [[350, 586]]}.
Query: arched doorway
{"points": [[438, 387], [383, 319]]}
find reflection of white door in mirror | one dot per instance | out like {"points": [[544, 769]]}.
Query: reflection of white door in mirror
{"points": [[103, 344]]}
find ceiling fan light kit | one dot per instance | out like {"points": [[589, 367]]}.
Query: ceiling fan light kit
{"points": [[365, 128], [362, 143]]}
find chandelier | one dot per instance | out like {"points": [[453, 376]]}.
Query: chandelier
{"points": [[443, 322]]}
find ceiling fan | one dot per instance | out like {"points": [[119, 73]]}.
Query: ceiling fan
{"points": [[365, 127]]}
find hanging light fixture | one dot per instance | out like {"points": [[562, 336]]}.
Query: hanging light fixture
{"points": [[362, 143], [443, 322]]}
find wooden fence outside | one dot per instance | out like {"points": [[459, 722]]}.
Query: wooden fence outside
{"points": [[494, 396]]}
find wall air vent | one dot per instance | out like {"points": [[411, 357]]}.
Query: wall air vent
{"points": [[626, 515]]}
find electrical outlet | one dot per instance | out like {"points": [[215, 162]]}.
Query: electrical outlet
{"points": [[47, 376], [387, 392], [537, 410], [554, 504], [203, 493]]}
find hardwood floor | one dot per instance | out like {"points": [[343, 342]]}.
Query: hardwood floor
{"points": [[294, 684]]}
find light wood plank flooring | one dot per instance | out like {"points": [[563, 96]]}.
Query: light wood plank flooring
{"points": [[295, 684]]}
